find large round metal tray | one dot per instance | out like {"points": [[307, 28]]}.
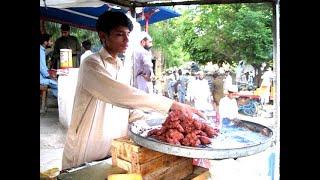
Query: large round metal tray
{"points": [[235, 140]]}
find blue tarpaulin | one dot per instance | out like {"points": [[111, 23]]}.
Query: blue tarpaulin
{"points": [[157, 14], [86, 17]]}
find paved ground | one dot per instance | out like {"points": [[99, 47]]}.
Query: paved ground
{"points": [[52, 137]]}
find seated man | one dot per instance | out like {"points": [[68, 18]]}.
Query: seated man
{"points": [[45, 77]]}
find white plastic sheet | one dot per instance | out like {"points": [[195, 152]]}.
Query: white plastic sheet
{"points": [[66, 91]]}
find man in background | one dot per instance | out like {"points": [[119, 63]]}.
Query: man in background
{"points": [[45, 77], [143, 66], [182, 82], [228, 107], [87, 50], [266, 83], [217, 90], [66, 41], [227, 82], [199, 93]]}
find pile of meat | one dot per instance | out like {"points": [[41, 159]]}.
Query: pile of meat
{"points": [[183, 131]]}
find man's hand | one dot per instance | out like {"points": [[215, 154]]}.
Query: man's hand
{"points": [[53, 74], [53, 77], [187, 110]]}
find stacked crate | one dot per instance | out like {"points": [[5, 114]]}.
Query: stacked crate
{"points": [[150, 164]]}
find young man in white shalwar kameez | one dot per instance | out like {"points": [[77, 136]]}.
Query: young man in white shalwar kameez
{"points": [[103, 96]]}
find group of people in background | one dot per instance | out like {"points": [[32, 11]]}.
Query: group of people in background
{"points": [[205, 92], [68, 41], [143, 66], [51, 60], [196, 88]]}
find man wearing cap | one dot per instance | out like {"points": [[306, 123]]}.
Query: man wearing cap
{"points": [[66, 41], [143, 68], [228, 107]]}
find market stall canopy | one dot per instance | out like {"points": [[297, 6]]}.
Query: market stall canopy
{"points": [[86, 17], [148, 3], [150, 15], [80, 17], [140, 3], [71, 3]]}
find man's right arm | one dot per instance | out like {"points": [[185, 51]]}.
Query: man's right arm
{"points": [[43, 66]]}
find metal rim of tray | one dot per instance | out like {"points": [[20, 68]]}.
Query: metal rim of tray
{"points": [[197, 152]]}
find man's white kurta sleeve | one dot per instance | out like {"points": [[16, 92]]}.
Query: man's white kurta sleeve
{"points": [[98, 82]]}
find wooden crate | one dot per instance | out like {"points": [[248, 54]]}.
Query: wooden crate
{"points": [[151, 164], [199, 173]]}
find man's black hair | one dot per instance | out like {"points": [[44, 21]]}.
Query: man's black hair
{"points": [[65, 27], [112, 19], [86, 44], [44, 37]]}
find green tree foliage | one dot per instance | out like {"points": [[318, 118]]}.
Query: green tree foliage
{"points": [[166, 40], [217, 33]]}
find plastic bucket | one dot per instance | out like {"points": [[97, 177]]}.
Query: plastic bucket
{"points": [[65, 58]]}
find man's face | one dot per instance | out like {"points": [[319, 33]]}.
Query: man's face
{"points": [[48, 44], [147, 44], [117, 40], [231, 95], [65, 33], [201, 76]]}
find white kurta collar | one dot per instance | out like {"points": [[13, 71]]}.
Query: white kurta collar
{"points": [[105, 56]]}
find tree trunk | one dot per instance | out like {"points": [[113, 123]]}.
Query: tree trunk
{"points": [[257, 78], [258, 81]]}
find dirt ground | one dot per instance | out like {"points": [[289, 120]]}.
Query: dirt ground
{"points": [[52, 137]]}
